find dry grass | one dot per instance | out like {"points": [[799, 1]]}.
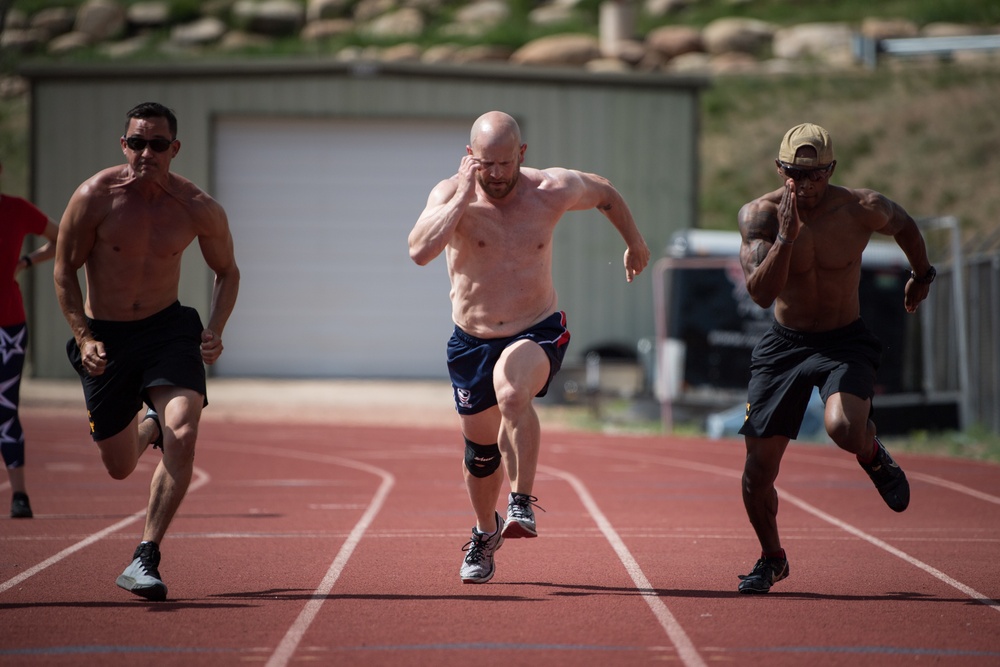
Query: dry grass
{"points": [[924, 136]]}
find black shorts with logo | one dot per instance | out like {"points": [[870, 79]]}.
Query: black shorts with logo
{"points": [[787, 364], [163, 349]]}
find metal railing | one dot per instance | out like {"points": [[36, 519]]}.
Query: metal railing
{"points": [[867, 49]]}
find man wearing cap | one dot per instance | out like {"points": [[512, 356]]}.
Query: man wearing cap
{"points": [[801, 251]]}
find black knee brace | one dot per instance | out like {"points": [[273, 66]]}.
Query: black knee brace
{"points": [[481, 460]]}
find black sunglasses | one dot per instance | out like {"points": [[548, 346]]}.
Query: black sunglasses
{"points": [[138, 144], [797, 174]]}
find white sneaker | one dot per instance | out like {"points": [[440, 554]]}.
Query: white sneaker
{"points": [[478, 568], [520, 516]]}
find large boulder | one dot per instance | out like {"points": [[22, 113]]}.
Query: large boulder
{"points": [[558, 50]]}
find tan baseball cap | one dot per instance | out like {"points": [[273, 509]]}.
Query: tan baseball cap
{"points": [[806, 134]]}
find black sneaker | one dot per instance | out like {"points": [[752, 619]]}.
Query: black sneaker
{"points": [[141, 576], [766, 573], [20, 508], [889, 479]]}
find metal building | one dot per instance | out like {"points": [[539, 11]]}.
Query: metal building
{"points": [[323, 169]]}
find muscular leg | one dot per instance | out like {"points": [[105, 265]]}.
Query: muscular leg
{"points": [[120, 453], [519, 375], [759, 495], [180, 414], [848, 425]]}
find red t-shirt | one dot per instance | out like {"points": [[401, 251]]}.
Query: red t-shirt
{"points": [[18, 218]]}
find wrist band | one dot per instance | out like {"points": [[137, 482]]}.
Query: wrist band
{"points": [[27, 260], [782, 239]]}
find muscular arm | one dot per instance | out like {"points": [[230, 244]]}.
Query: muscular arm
{"points": [[216, 242], [887, 217], [77, 233], [765, 260], [445, 207], [593, 191]]}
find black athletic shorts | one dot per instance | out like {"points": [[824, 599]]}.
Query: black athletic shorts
{"points": [[161, 350], [787, 364], [471, 361]]}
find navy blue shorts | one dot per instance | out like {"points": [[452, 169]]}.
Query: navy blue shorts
{"points": [[471, 361], [163, 349], [787, 364]]}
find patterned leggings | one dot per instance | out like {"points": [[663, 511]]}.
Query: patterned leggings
{"points": [[13, 341]]}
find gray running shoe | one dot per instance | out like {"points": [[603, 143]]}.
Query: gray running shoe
{"points": [[478, 568], [889, 479], [141, 576], [520, 516], [766, 573]]}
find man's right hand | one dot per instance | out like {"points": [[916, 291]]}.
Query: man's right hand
{"points": [[93, 356], [788, 213]]}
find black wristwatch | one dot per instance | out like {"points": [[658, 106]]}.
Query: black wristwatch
{"points": [[927, 278]]}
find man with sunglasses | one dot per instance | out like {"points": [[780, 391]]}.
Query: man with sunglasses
{"points": [[133, 342], [801, 251]]}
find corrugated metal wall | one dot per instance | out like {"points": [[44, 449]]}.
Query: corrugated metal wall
{"points": [[641, 132]]}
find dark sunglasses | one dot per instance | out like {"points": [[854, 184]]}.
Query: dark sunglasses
{"points": [[138, 144], [797, 174]]}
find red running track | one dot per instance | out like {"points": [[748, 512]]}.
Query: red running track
{"points": [[331, 545]]}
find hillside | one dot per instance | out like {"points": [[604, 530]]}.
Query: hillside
{"points": [[924, 132]]}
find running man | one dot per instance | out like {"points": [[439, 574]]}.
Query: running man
{"points": [[495, 220], [133, 341], [801, 251]]}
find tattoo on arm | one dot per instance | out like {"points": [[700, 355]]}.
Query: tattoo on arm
{"points": [[604, 207]]}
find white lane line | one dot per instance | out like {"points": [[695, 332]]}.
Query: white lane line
{"points": [[930, 479], [293, 636], [818, 513], [286, 649], [685, 648], [871, 539], [201, 479]]}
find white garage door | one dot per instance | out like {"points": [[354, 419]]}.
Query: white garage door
{"points": [[320, 211]]}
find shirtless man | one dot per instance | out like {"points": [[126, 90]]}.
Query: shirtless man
{"points": [[801, 250], [133, 341], [495, 220]]}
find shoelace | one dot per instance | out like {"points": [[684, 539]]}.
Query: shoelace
{"points": [[149, 558], [520, 503], [476, 548]]}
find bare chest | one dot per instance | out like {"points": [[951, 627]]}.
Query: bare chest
{"points": [[136, 227]]}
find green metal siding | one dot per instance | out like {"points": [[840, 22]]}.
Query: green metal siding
{"points": [[641, 132]]}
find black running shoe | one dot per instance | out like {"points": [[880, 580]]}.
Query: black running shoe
{"points": [[766, 573], [142, 576], [889, 479], [20, 508]]}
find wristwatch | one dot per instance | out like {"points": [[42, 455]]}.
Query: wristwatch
{"points": [[927, 278]]}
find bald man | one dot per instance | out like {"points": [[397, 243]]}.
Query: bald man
{"points": [[495, 220]]}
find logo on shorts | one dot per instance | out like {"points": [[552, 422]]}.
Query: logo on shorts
{"points": [[464, 397]]}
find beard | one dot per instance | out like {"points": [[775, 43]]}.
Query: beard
{"points": [[498, 189]]}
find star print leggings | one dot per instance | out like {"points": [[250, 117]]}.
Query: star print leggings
{"points": [[13, 340]]}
